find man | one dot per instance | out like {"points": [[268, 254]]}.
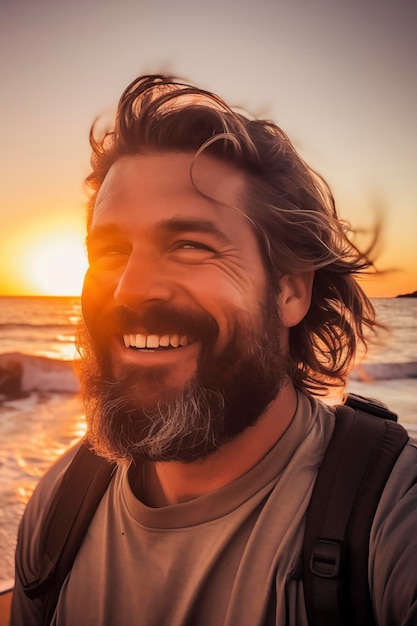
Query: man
{"points": [[220, 293]]}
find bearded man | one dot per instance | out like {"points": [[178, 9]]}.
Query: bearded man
{"points": [[220, 299]]}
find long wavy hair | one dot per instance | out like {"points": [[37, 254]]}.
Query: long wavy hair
{"points": [[290, 207]]}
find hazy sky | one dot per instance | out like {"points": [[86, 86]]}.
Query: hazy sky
{"points": [[338, 76]]}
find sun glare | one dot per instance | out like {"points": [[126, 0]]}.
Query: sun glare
{"points": [[55, 263]]}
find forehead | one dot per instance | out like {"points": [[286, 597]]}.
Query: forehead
{"points": [[164, 185]]}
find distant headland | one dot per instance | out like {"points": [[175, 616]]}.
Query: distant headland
{"points": [[408, 295]]}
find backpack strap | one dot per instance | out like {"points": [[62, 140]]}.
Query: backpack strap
{"points": [[355, 468], [66, 524]]}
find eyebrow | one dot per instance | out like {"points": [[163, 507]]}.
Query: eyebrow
{"points": [[172, 225], [180, 225], [102, 231]]}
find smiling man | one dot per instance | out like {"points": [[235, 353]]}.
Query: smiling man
{"points": [[220, 294], [180, 314]]}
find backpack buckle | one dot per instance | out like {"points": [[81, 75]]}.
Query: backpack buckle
{"points": [[326, 558]]}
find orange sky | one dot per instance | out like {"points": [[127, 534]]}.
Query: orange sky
{"points": [[338, 77]]}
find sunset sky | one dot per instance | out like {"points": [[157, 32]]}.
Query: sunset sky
{"points": [[339, 77]]}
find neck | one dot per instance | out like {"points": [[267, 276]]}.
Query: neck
{"points": [[173, 482]]}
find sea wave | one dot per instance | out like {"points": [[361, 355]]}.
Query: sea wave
{"points": [[368, 372], [21, 374]]}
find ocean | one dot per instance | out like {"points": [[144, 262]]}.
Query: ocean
{"points": [[41, 415]]}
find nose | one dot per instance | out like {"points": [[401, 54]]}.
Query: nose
{"points": [[143, 280]]}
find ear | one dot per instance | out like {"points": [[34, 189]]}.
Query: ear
{"points": [[294, 298]]}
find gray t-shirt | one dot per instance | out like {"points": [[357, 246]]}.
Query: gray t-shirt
{"points": [[219, 559]]}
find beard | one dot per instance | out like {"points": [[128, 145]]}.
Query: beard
{"points": [[227, 394]]}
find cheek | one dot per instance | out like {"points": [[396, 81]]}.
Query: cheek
{"points": [[234, 286], [237, 313], [96, 294]]}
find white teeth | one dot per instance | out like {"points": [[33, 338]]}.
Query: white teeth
{"points": [[174, 340], [140, 341], [164, 341], [152, 342]]}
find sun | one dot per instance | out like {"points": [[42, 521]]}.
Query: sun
{"points": [[58, 266], [55, 263]]}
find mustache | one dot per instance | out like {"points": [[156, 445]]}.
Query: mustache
{"points": [[160, 319]]}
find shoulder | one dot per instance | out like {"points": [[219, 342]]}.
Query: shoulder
{"points": [[28, 549], [393, 544], [402, 481]]}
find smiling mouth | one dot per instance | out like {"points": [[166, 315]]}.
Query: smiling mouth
{"points": [[144, 342]]}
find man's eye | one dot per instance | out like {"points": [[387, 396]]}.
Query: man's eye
{"points": [[193, 245], [106, 252], [190, 251]]}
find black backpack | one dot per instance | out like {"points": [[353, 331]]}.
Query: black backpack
{"points": [[354, 471]]}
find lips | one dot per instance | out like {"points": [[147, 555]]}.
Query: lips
{"points": [[140, 341]]}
